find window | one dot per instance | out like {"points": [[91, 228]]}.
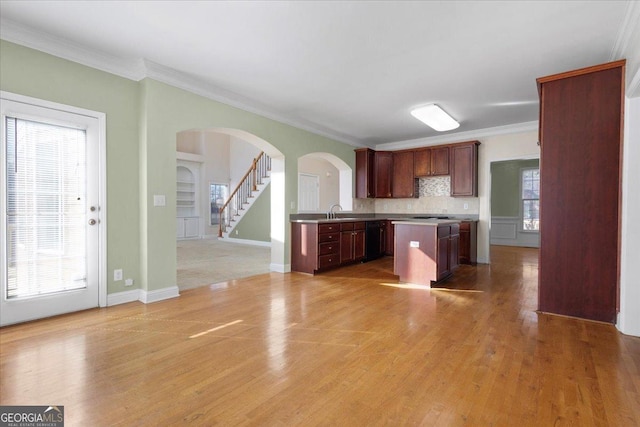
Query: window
{"points": [[218, 194], [530, 199]]}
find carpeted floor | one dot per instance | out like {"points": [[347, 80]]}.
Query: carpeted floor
{"points": [[206, 261]]}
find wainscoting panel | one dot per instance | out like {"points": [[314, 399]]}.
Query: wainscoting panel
{"points": [[505, 231]]}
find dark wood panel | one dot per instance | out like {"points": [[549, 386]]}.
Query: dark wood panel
{"points": [[403, 185], [580, 136], [468, 243], [464, 169], [440, 161], [365, 177], [304, 247], [383, 173], [422, 162]]}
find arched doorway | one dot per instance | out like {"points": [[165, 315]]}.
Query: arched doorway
{"points": [[338, 189], [209, 147]]}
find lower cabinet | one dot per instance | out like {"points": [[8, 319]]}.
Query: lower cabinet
{"points": [[468, 242], [352, 247], [447, 253], [317, 247], [187, 228]]}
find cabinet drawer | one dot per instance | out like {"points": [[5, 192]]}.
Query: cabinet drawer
{"points": [[455, 229], [465, 226], [329, 248], [329, 237], [346, 226], [359, 225], [328, 228], [330, 260]]}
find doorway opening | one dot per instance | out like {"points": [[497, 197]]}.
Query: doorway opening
{"points": [[257, 243]]}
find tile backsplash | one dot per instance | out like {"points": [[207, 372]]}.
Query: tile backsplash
{"points": [[434, 187], [434, 199]]}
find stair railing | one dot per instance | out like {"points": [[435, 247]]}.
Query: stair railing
{"points": [[260, 168]]}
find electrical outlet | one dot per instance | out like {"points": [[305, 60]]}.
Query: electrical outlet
{"points": [[466, 206], [236, 232], [128, 282], [117, 274]]}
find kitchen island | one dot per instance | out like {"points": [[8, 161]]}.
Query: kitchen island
{"points": [[426, 251]]}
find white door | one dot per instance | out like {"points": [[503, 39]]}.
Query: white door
{"points": [[308, 193], [51, 211]]}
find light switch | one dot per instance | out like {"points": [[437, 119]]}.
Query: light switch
{"points": [[159, 200]]}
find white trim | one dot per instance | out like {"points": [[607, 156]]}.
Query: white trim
{"points": [[460, 136], [148, 297], [246, 242], [123, 297], [102, 175], [143, 68], [280, 268]]}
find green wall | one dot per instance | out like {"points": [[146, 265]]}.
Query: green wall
{"points": [[143, 119], [505, 186], [256, 222], [32, 73]]}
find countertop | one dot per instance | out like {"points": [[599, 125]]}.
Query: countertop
{"points": [[415, 221]]}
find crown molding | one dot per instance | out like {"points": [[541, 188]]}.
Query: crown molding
{"points": [[69, 50], [627, 42], [139, 69], [460, 136]]}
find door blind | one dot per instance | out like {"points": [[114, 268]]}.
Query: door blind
{"points": [[46, 208]]}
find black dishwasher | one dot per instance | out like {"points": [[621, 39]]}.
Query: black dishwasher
{"points": [[373, 240]]}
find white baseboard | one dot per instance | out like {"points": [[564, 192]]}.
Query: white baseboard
{"points": [[148, 297], [142, 296], [280, 268], [246, 242], [123, 297]]}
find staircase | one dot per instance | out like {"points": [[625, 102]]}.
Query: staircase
{"points": [[249, 188]]}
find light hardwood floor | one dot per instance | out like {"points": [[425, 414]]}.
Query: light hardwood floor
{"points": [[352, 347]]}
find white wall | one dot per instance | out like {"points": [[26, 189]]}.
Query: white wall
{"points": [[629, 317], [241, 154], [216, 170], [329, 179], [492, 149]]}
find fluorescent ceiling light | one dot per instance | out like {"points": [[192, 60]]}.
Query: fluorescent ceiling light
{"points": [[435, 117]]}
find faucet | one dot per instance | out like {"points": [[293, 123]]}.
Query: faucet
{"points": [[331, 214]]}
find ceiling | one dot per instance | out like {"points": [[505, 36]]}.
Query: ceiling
{"points": [[350, 70]]}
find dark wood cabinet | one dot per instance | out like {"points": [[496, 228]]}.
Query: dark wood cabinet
{"points": [[581, 134], [439, 161], [403, 183], [425, 253], [314, 247], [432, 161], [373, 173], [422, 162], [365, 173], [388, 237], [383, 173], [463, 165], [468, 242], [352, 242]]}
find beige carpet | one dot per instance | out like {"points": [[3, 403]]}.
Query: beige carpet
{"points": [[206, 261]]}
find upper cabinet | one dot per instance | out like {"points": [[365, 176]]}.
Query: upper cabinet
{"points": [[432, 161], [404, 183], [373, 173], [464, 169], [382, 174], [439, 161], [365, 178]]}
